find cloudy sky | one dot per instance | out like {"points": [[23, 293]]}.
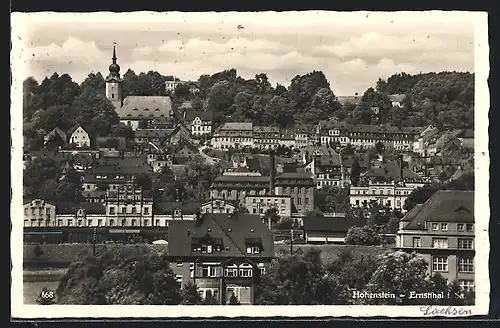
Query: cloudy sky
{"points": [[352, 49]]}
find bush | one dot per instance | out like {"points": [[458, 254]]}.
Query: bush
{"points": [[362, 236]]}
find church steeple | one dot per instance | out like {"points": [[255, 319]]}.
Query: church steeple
{"points": [[114, 81]]}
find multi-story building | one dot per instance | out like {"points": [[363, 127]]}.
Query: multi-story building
{"points": [[158, 137], [223, 254], [266, 137], [233, 135], [129, 206], [299, 186], [219, 206], [262, 203], [164, 213], [302, 137], [235, 188], [442, 230], [39, 213], [328, 171], [288, 138], [199, 122], [388, 184], [78, 136], [85, 214]]}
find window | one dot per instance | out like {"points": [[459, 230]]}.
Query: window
{"points": [[178, 279], [435, 227], [124, 210], [134, 223], [439, 242], [465, 243], [231, 271], [180, 263], [262, 269], [253, 249], [469, 227], [70, 222], [191, 270], [59, 223], [245, 270], [460, 227], [112, 210], [466, 285], [124, 222], [89, 221], [146, 210], [466, 264], [440, 264], [112, 222], [133, 210], [416, 242], [209, 271], [299, 201], [146, 222], [99, 222], [157, 222], [282, 201], [444, 226]]}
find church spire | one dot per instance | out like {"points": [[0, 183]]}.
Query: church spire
{"points": [[114, 53]]}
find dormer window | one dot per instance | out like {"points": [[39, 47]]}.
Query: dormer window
{"points": [[253, 249]]}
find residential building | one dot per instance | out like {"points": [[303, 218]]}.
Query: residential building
{"points": [[133, 109], [165, 212], [84, 214], [219, 206], [78, 136], [55, 138], [303, 137], [328, 170], [235, 188], [158, 137], [421, 141], [300, 186], [129, 207], [288, 138], [199, 122], [260, 204], [442, 230], [388, 184], [397, 100], [158, 160], [328, 229], [233, 135], [39, 213], [171, 85], [266, 137], [223, 254]]}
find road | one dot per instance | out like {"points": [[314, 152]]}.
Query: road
{"points": [[210, 160]]}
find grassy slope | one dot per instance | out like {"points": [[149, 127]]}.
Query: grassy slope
{"points": [[59, 256]]}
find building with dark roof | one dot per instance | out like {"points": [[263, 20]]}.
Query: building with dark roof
{"points": [[132, 109], [300, 186], [266, 137], [233, 135], [199, 122], [222, 254], [442, 230], [328, 229]]}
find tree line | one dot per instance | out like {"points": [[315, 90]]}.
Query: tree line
{"points": [[137, 275]]}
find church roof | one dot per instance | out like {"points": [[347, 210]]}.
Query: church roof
{"points": [[144, 107]]}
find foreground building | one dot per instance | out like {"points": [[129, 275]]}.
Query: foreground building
{"points": [[223, 254], [442, 230]]}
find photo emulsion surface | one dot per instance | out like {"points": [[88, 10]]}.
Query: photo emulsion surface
{"points": [[263, 160]]}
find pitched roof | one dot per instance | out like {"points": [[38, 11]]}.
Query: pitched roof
{"points": [[153, 133], [331, 224], [232, 229], [73, 129], [443, 206], [397, 97], [203, 115], [72, 207], [168, 207], [349, 99], [333, 160], [135, 107], [242, 178], [391, 171], [237, 126]]}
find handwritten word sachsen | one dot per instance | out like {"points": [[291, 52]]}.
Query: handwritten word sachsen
{"points": [[445, 311]]}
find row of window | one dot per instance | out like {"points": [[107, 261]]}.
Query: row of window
{"points": [[254, 201], [380, 201], [260, 210], [465, 264], [134, 210], [116, 177], [461, 227], [463, 243], [87, 223], [40, 211], [209, 248], [381, 192], [244, 270]]}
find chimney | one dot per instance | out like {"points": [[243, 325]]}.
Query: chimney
{"points": [[272, 157]]}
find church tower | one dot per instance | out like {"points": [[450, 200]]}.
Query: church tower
{"points": [[114, 82]]}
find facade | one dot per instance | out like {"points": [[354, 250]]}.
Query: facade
{"points": [[299, 186], [164, 213], [218, 206], [288, 138], [302, 139], [234, 135], [222, 254], [39, 213], [133, 109], [235, 188], [442, 230], [159, 137], [397, 100], [391, 194], [80, 215], [328, 170], [328, 229], [266, 137], [200, 123], [262, 203], [78, 136], [171, 85]]}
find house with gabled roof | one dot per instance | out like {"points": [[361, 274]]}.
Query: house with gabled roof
{"points": [[223, 254], [442, 230], [199, 122]]}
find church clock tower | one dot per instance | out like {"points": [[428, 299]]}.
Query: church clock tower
{"points": [[114, 82]]}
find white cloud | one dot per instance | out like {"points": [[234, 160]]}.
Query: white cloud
{"points": [[142, 51], [72, 50]]}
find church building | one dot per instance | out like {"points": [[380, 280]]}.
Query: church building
{"points": [[133, 109]]}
